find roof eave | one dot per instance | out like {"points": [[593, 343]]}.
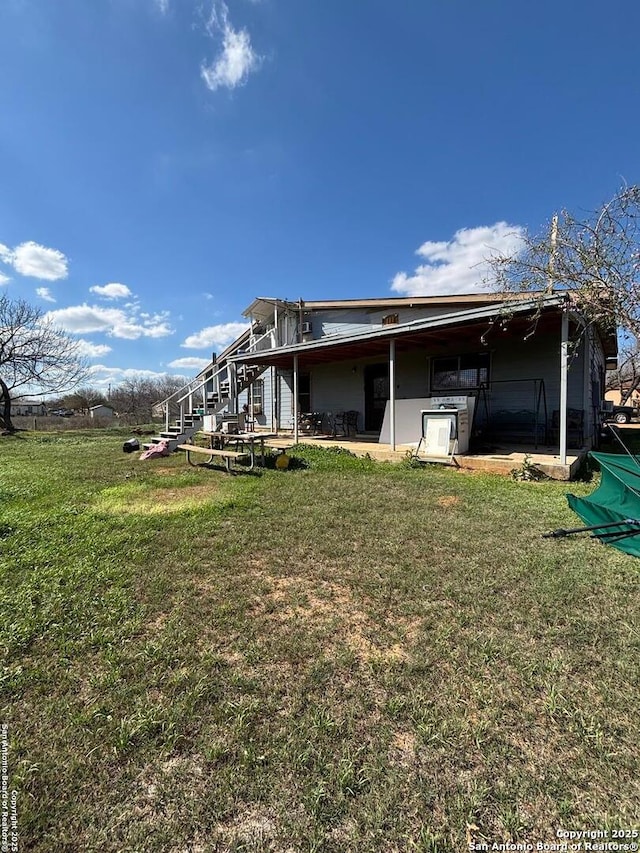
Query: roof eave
{"points": [[396, 331]]}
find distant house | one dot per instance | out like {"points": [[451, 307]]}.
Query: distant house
{"points": [[28, 407], [615, 395], [101, 411]]}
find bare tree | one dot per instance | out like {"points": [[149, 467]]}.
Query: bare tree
{"points": [[135, 397], [36, 356], [595, 259], [83, 399]]}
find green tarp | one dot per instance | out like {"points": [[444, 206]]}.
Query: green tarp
{"points": [[616, 499]]}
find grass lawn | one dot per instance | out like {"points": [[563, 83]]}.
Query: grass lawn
{"points": [[348, 656]]}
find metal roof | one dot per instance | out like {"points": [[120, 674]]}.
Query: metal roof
{"points": [[330, 345]]}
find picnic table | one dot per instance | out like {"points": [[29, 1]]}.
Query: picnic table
{"points": [[230, 446]]}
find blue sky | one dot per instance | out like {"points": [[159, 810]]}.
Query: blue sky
{"points": [[166, 161]]}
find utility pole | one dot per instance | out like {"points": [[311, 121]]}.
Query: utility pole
{"points": [[553, 242]]}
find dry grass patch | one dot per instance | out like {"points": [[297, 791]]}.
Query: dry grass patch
{"points": [[141, 499], [448, 501], [252, 826], [330, 609]]}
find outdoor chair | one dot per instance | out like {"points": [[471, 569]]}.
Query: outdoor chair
{"points": [[310, 423], [346, 423]]}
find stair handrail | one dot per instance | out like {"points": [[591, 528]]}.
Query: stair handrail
{"points": [[253, 345], [204, 382], [192, 386]]}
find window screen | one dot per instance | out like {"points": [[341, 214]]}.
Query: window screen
{"points": [[460, 372]]}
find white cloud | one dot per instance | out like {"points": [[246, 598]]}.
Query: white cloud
{"points": [[459, 265], [36, 261], [91, 350], [236, 61], [215, 336], [86, 319], [111, 291], [4, 279], [189, 363], [45, 293], [163, 6]]}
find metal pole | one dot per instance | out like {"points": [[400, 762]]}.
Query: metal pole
{"points": [[295, 399], [274, 399], [553, 242], [557, 534], [392, 393], [564, 372]]}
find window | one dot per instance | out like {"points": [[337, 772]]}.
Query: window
{"points": [[460, 372], [257, 396], [391, 320], [304, 392]]}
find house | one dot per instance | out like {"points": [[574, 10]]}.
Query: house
{"points": [[28, 407], [533, 365], [615, 396], [101, 411]]}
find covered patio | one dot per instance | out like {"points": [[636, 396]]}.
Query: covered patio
{"points": [[528, 344]]}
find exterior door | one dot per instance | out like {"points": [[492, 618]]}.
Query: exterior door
{"points": [[376, 394]]}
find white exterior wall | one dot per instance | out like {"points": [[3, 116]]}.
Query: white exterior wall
{"points": [[335, 388], [26, 408], [284, 403], [267, 378], [412, 375], [536, 358], [350, 320], [339, 386]]}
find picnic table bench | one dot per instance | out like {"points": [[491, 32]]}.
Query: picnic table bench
{"points": [[224, 453]]}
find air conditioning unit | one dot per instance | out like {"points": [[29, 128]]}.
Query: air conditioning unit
{"points": [[307, 328]]}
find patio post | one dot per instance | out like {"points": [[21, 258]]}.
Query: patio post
{"points": [[275, 425], [295, 399], [392, 393], [564, 370]]}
